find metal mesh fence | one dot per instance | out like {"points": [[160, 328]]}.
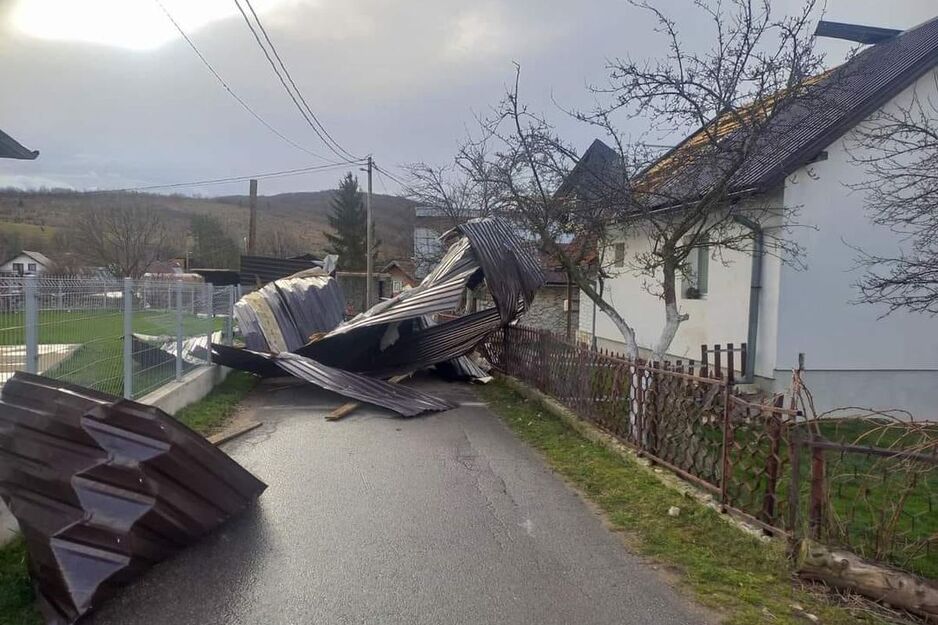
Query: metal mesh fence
{"points": [[122, 337]]}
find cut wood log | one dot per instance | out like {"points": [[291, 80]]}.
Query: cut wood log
{"points": [[848, 571], [348, 408]]}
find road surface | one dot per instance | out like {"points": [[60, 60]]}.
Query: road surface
{"points": [[442, 519]]}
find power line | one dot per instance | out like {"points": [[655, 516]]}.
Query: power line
{"points": [[200, 183], [296, 89], [231, 92], [307, 115], [391, 176]]}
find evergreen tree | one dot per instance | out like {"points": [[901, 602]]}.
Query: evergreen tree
{"points": [[348, 222], [213, 247]]}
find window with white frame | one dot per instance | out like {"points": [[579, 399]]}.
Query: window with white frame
{"points": [[696, 282]]}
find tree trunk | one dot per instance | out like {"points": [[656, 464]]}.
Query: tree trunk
{"points": [[847, 571], [672, 317], [586, 286]]}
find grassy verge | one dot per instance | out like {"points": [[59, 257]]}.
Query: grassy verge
{"points": [[208, 415], [747, 580], [17, 602]]}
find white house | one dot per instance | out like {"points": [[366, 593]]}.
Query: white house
{"points": [[854, 355], [26, 263]]}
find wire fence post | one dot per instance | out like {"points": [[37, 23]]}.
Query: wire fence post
{"points": [[178, 331], [128, 337], [31, 323], [210, 320], [229, 320]]}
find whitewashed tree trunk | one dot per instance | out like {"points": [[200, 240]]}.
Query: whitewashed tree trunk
{"points": [[673, 318]]}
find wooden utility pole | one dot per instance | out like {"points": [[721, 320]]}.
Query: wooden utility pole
{"points": [[369, 269], [252, 224]]}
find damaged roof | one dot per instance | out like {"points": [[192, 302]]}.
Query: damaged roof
{"points": [[396, 336]]}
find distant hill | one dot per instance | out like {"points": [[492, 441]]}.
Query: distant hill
{"points": [[287, 224]]}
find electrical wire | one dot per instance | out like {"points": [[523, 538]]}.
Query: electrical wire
{"points": [[262, 176], [307, 115], [231, 92], [296, 89], [391, 176]]}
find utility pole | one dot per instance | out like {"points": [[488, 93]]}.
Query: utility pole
{"points": [[369, 269], [252, 224]]}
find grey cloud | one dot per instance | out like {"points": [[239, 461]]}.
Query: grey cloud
{"points": [[399, 79]]}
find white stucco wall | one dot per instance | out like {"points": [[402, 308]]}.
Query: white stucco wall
{"points": [[721, 316], [857, 357]]}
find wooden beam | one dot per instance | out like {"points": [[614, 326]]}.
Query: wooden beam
{"points": [[348, 408]]}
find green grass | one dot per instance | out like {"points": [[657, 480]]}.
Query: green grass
{"points": [[98, 362], [17, 601], [208, 415], [747, 580]]}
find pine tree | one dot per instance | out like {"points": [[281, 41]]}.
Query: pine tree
{"points": [[348, 222]]}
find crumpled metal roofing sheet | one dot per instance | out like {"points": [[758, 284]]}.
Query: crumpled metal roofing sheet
{"points": [[104, 487], [403, 400], [512, 273], [284, 314], [397, 336]]}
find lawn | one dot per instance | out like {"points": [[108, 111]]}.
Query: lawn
{"points": [[748, 580], [98, 362], [17, 601]]}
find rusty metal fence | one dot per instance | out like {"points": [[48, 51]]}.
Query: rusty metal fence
{"points": [[679, 414], [853, 483]]}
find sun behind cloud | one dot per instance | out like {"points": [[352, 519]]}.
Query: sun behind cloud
{"points": [[130, 24]]}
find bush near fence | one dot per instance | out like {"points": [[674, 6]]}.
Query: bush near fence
{"points": [[851, 483], [81, 330]]}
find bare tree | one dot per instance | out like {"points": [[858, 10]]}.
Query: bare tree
{"points": [[752, 84], [125, 235], [453, 194], [898, 148]]}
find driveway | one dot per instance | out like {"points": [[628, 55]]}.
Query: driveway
{"points": [[446, 518]]}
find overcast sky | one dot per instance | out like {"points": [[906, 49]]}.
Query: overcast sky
{"points": [[113, 97]]}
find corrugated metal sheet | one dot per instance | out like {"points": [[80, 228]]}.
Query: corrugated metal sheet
{"points": [[151, 350], [512, 273], [104, 487], [283, 315], [401, 399], [397, 335], [11, 148]]}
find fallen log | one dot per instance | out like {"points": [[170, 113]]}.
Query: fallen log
{"points": [[848, 571]]}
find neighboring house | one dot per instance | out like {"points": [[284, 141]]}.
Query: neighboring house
{"points": [[26, 263], [429, 224], [854, 355], [402, 275]]}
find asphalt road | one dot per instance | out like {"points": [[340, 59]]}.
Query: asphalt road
{"points": [[446, 518]]}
